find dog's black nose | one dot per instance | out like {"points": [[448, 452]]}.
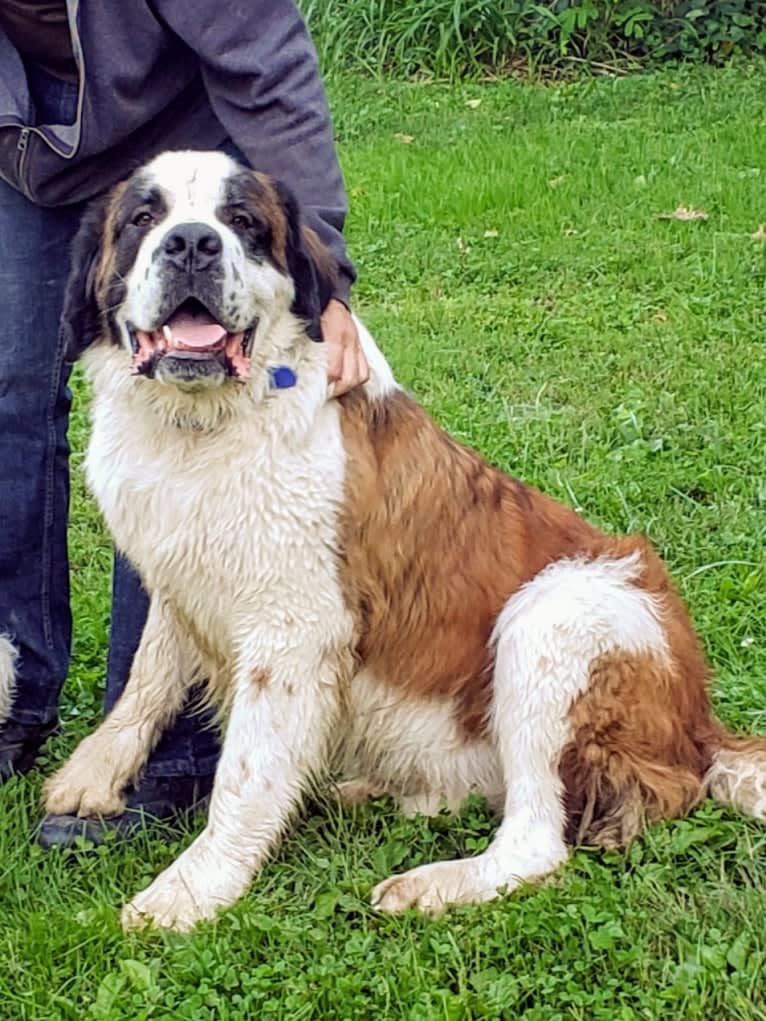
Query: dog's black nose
{"points": [[192, 246]]}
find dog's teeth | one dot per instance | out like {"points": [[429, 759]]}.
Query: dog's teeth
{"points": [[167, 333]]}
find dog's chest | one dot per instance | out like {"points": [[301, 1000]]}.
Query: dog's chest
{"points": [[232, 528]]}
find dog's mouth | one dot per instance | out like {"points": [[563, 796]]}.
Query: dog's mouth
{"points": [[195, 341]]}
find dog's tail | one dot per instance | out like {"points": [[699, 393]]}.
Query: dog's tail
{"points": [[737, 775], [8, 657]]}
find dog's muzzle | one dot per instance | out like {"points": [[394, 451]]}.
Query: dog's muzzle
{"points": [[190, 344], [191, 348]]}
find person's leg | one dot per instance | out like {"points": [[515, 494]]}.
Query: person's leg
{"points": [[190, 748], [34, 481], [35, 620]]}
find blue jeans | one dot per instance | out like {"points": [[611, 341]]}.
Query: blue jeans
{"points": [[34, 474]]}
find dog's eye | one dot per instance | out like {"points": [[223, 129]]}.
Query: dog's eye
{"points": [[241, 220], [142, 219]]}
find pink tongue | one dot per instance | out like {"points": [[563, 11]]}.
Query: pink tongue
{"points": [[195, 331]]}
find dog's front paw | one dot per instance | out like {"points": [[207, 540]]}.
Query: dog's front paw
{"points": [[431, 888], [173, 901], [195, 887], [83, 786]]}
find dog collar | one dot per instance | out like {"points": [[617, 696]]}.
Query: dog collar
{"points": [[282, 377]]}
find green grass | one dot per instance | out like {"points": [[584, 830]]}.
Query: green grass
{"points": [[451, 39], [614, 359]]}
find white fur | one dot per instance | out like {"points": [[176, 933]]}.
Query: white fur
{"points": [[547, 637], [165, 666], [277, 738], [236, 528], [8, 657], [228, 502], [381, 382], [415, 751]]}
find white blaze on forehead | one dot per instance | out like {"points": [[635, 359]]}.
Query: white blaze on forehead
{"points": [[192, 183]]}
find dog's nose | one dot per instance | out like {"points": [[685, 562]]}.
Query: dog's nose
{"points": [[192, 246]]}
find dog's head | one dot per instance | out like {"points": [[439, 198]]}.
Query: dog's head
{"points": [[185, 262]]}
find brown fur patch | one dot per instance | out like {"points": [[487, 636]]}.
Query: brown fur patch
{"points": [[324, 260], [266, 201], [260, 678], [263, 196], [435, 542], [639, 750], [106, 269]]}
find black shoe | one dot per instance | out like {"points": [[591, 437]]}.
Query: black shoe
{"points": [[19, 746], [166, 799]]}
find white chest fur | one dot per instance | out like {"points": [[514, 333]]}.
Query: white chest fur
{"points": [[234, 525]]}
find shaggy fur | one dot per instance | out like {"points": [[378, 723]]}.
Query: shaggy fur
{"points": [[355, 586]]}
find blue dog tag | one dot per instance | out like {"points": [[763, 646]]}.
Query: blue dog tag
{"points": [[282, 377]]}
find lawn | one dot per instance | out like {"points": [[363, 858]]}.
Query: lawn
{"points": [[515, 269]]}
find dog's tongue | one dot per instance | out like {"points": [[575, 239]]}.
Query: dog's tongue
{"points": [[199, 330]]}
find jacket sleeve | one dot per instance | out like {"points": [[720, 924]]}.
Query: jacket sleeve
{"points": [[261, 74]]}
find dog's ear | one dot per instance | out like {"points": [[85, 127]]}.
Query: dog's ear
{"points": [[81, 320], [310, 265]]}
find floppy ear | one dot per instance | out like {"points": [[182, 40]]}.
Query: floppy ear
{"points": [[313, 284], [81, 321]]}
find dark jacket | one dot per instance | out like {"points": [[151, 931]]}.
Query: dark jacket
{"points": [[164, 74]]}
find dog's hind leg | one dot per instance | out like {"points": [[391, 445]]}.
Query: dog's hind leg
{"points": [[548, 637], [92, 780]]}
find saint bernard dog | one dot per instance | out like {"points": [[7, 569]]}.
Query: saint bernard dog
{"points": [[365, 598]]}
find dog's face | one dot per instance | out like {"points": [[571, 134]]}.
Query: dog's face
{"points": [[181, 263]]}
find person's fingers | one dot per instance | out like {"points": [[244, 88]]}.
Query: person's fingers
{"points": [[355, 369], [348, 376], [335, 355], [363, 371], [347, 365], [364, 365]]}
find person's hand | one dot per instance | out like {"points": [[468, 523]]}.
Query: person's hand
{"points": [[346, 364]]}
